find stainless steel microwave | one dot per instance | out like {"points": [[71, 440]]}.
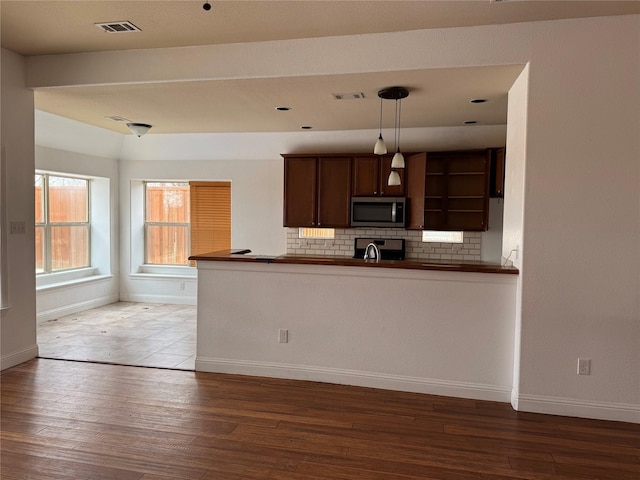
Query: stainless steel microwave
{"points": [[378, 212]]}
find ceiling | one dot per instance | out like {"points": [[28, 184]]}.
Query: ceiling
{"points": [[60, 27]]}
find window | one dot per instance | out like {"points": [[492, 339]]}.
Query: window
{"points": [[166, 226], [442, 237], [210, 216], [306, 232], [62, 223], [175, 220]]}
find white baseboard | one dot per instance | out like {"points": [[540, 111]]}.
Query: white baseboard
{"points": [[75, 307], [16, 358], [515, 396], [356, 378], [169, 299], [573, 407]]}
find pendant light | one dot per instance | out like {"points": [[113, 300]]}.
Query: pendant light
{"points": [[394, 179], [380, 147], [397, 94], [139, 129], [398, 158]]}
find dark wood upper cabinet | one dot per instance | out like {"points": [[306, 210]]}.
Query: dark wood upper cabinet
{"points": [[366, 176], [300, 178], [334, 192], [370, 174], [496, 186], [457, 190], [445, 190], [317, 191], [415, 177]]}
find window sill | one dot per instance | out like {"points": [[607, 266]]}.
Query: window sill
{"points": [[54, 281], [165, 271]]}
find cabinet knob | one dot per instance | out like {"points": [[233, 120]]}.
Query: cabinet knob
{"points": [[375, 193]]}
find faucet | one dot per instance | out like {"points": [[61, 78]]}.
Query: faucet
{"points": [[372, 252]]}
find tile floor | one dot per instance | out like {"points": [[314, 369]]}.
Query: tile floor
{"points": [[141, 334]]}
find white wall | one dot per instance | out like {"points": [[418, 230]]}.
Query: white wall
{"points": [[436, 332], [269, 146], [580, 254], [18, 321], [69, 135], [513, 216]]}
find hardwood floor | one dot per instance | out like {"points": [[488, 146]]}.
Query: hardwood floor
{"points": [[74, 420]]}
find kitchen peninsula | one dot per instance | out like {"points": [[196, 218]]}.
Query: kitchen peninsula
{"points": [[426, 327]]}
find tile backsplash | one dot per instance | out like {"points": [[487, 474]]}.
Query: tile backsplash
{"points": [[342, 244]]}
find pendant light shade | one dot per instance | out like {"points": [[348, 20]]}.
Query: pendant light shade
{"points": [[380, 148], [398, 160], [394, 179], [139, 129]]}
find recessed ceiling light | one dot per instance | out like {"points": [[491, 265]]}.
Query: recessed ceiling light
{"points": [[283, 109], [470, 122], [306, 127], [478, 100]]}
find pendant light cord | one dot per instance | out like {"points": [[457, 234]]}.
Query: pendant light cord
{"points": [[397, 132], [397, 122], [381, 116]]}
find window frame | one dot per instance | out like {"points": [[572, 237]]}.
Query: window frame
{"points": [[4, 273], [47, 224], [309, 233], [442, 236], [147, 224]]}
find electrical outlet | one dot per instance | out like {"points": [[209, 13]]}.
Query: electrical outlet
{"points": [[182, 286], [584, 366], [283, 335]]}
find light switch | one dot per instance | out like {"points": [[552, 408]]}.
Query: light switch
{"points": [[18, 228]]}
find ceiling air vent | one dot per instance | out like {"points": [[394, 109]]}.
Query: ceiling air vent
{"points": [[117, 118], [118, 27], [347, 96]]}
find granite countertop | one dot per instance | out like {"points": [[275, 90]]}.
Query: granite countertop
{"points": [[240, 255]]}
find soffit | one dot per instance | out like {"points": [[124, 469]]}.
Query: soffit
{"points": [[438, 97], [57, 27]]}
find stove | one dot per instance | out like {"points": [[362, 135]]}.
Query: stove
{"points": [[390, 248]]}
